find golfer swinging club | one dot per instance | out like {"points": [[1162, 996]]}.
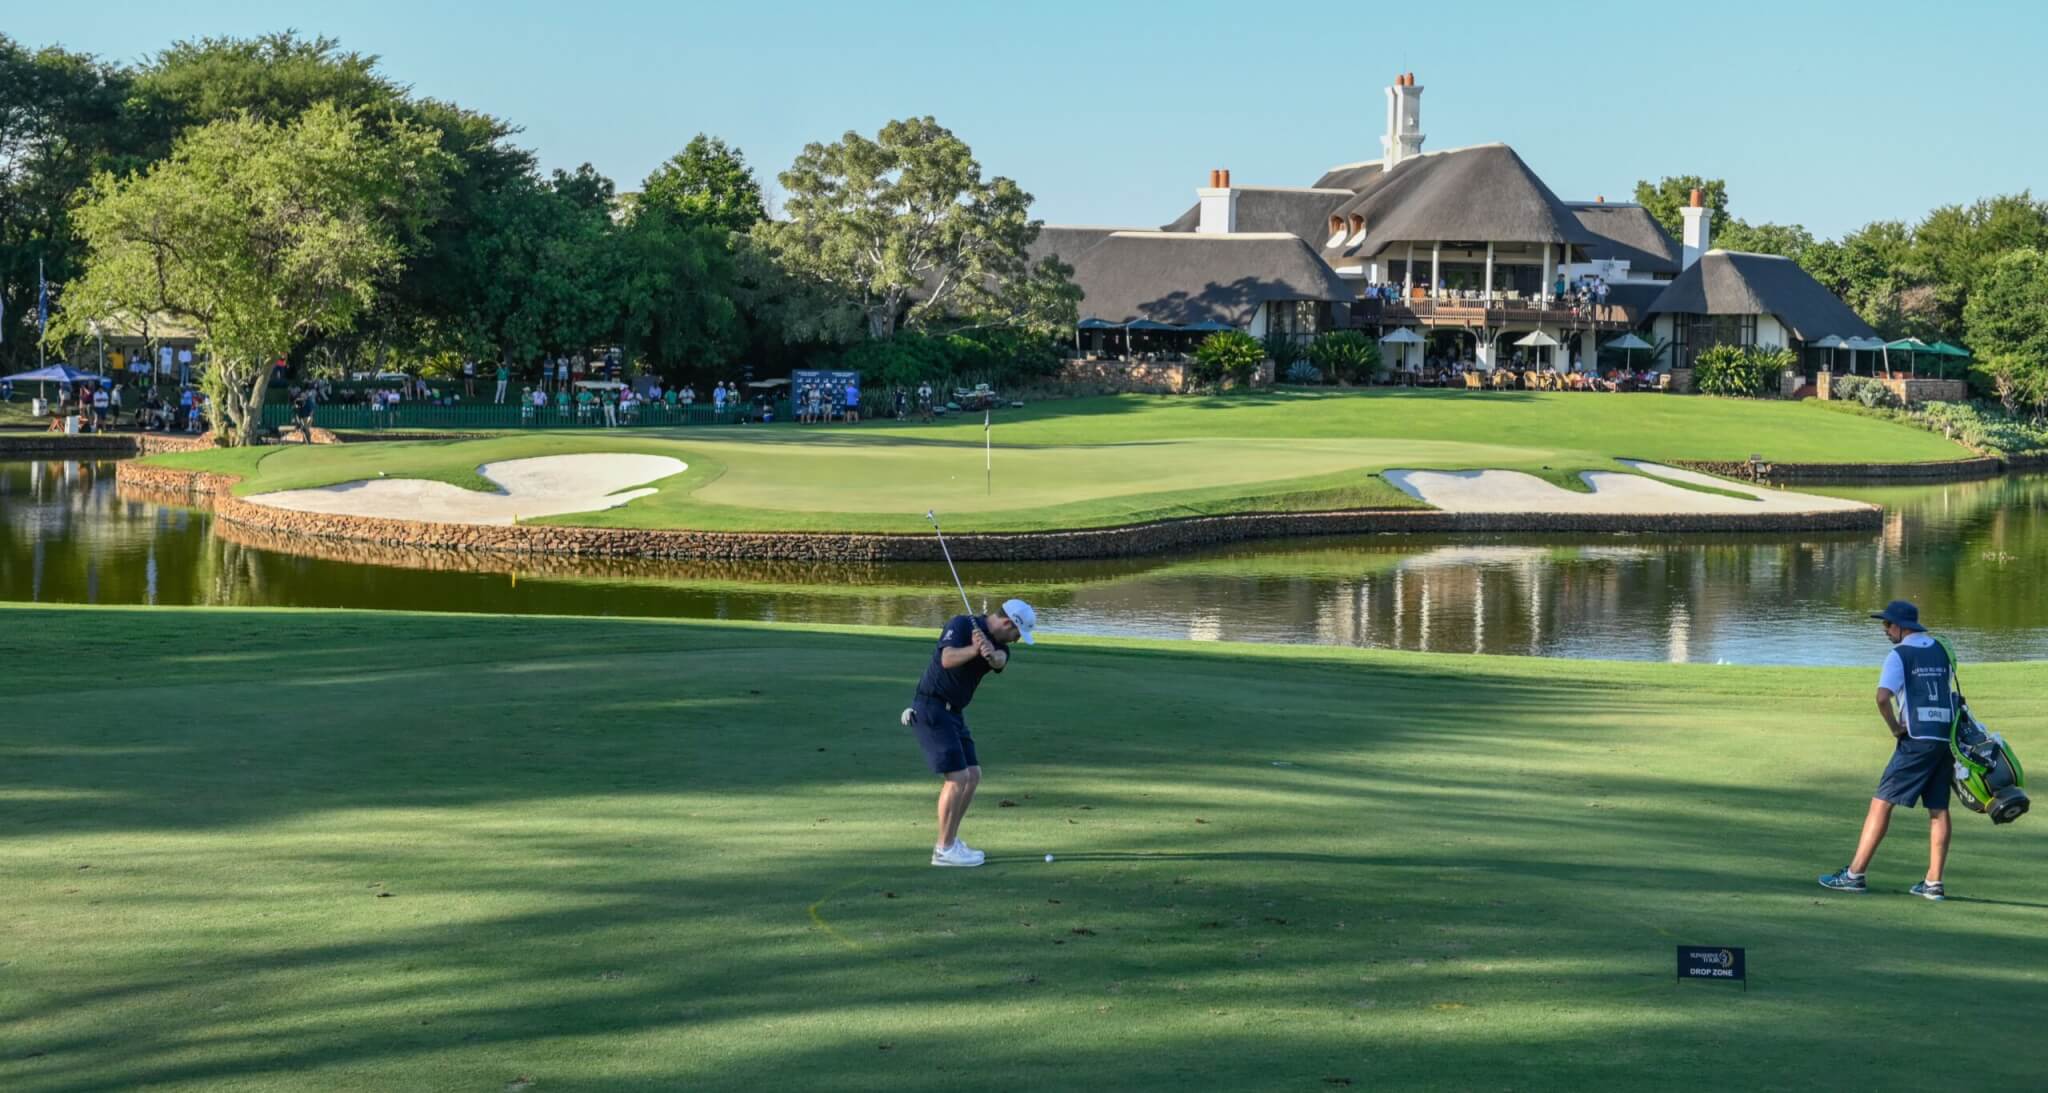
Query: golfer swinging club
{"points": [[1917, 697], [969, 648]]}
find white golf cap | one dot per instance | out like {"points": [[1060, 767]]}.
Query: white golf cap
{"points": [[1022, 614]]}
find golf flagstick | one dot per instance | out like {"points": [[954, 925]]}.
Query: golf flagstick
{"points": [[988, 459]]}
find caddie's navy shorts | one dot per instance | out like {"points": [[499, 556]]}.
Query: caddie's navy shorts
{"points": [[1920, 772], [943, 735]]}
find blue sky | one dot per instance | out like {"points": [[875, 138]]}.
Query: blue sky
{"points": [[1112, 113]]}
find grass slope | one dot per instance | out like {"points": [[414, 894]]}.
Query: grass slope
{"points": [[1095, 462], [356, 851]]}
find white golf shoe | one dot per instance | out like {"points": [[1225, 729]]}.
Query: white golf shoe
{"points": [[959, 855]]}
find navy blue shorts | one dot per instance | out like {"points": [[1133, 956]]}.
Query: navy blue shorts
{"points": [[1920, 772], [943, 735]]}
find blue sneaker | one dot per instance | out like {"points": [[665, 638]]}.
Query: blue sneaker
{"points": [[1928, 889], [1844, 881]]}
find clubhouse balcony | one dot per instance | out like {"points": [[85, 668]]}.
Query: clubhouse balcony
{"points": [[1472, 309]]}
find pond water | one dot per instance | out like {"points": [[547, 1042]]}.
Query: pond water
{"points": [[1974, 555]]}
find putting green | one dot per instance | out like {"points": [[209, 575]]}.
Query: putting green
{"points": [[284, 850], [1108, 461], [889, 476]]}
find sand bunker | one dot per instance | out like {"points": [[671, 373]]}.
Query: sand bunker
{"points": [[1514, 491], [549, 485]]}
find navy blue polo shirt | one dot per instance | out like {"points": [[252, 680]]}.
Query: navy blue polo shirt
{"points": [[955, 686]]}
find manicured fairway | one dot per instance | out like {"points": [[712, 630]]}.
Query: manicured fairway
{"points": [[1092, 462], [359, 851]]}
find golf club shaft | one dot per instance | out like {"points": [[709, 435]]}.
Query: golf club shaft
{"points": [[951, 568]]}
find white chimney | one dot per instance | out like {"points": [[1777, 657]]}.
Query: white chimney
{"points": [[1699, 230], [1219, 204], [1404, 122]]}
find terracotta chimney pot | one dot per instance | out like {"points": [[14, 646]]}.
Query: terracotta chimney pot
{"points": [[1696, 197], [1215, 178], [1226, 178]]}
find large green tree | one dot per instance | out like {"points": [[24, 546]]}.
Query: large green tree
{"points": [[63, 118], [1789, 240], [1955, 246], [2008, 323], [273, 77], [671, 284], [261, 234], [907, 227], [707, 184], [446, 298], [1666, 196], [1870, 269]]}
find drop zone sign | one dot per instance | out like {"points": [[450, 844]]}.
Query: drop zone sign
{"points": [[1712, 962]]}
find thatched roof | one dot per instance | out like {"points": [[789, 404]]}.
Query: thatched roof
{"points": [[1067, 241], [1483, 193], [1628, 231], [1349, 176], [1188, 277], [1296, 211], [1634, 298], [1725, 282]]}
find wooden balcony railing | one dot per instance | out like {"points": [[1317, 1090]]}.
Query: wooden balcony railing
{"points": [[1479, 312]]}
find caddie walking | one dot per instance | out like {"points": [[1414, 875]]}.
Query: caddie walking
{"points": [[1918, 699]]}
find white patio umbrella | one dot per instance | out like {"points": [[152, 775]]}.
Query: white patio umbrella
{"points": [[1404, 338], [1878, 344], [1629, 343], [1536, 339], [1830, 343]]}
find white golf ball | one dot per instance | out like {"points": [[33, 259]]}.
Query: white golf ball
{"points": [[1048, 857]]}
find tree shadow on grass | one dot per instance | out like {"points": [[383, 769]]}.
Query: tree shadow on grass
{"points": [[601, 844]]}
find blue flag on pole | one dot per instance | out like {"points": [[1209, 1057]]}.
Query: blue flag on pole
{"points": [[42, 305]]}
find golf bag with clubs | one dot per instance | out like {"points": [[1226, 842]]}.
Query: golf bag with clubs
{"points": [[1988, 776]]}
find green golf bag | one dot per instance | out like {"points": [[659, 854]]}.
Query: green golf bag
{"points": [[1988, 776]]}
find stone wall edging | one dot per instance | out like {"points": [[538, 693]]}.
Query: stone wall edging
{"points": [[1943, 470], [116, 444], [215, 491]]}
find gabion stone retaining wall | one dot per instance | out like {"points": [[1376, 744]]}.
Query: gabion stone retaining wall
{"points": [[1151, 538]]}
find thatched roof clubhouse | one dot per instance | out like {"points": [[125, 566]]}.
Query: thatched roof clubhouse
{"points": [[1468, 248]]}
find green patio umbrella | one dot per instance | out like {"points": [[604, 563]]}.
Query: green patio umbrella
{"points": [[1943, 349]]}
